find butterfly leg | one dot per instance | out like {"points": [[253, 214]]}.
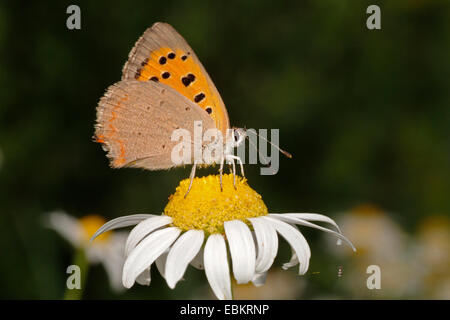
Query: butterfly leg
{"points": [[240, 163], [231, 159], [222, 161], [191, 177], [234, 174]]}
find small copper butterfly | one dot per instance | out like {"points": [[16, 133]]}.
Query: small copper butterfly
{"points": [[164, 87]]}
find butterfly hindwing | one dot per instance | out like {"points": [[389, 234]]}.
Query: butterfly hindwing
{"points": [[135, 122], [162, 55]]}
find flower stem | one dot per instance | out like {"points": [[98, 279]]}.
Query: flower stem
{"points": [[79, 260]]}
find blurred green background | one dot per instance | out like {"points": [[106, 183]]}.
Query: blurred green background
{"points": [[365, 114]]}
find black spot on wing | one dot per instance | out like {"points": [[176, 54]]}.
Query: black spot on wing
{"points": [[162, 60], [138, 74], [199, 97], [188, 79]]}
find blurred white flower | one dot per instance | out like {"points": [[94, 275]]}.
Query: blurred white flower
{"points": [[108, 250], [433, 252], [373, 232], [380, 241]]}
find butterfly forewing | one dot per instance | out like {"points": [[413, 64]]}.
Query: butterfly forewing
{"points": [[162, 55], [135, 122]]}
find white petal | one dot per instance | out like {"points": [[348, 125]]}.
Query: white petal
{"points": [[113, 258], [95, 254], [302, 222], [182, 252], [295, 239], [121, 222], [161, 263], [259, 279], [67, 226], [267, 244], [242, 249], [317, 217], [143, 229], [216, 266], [146, 252], [197, 262], [293, 262], [314, 217], [113, 267], [144, 278]]}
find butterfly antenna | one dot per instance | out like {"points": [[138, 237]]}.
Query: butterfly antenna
{"points": [[287, 154]]}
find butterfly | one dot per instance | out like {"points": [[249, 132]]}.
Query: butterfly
{"points": [[164, 87]]}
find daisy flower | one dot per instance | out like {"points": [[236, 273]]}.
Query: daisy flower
{"points": [[198, 229], [108, 250]]}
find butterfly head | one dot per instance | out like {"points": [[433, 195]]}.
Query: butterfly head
{"points": [[238, 136], [235, 137]]}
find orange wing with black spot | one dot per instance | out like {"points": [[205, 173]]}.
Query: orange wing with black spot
{"points": [[161, 54]]}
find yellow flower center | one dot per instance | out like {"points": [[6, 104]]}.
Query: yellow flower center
{"points": [[91, 224], [206, 207]]}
